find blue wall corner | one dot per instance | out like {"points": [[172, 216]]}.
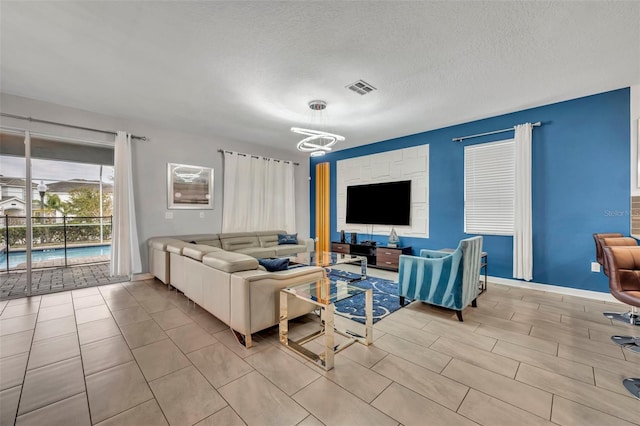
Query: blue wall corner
{"points": [[580, 176]]}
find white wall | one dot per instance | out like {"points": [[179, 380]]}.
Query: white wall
{"points": [[150, 164]]}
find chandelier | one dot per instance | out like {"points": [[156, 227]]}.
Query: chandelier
{"points": [[316, 142]]}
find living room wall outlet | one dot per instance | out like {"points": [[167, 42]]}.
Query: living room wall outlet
{"points": [[595, 267]]}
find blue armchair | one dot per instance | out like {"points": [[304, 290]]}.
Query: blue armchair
{"points": [[445, 279]]}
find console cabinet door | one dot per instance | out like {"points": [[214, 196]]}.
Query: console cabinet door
{"points": [[388, 258], [340, 248]]}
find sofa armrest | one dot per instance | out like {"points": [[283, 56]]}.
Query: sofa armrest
{"points": [[159, 264], [255, 296], [310, 243]]}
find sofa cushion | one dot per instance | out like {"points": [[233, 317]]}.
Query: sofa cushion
{"points": [[196, 237], [230, 262], [289, 249], [259, 251], [237, 241], [212, 243], [176, 246], [287, 238], [273, 265], [269, 238], [205, 239], [160, 243], [197, 251]]}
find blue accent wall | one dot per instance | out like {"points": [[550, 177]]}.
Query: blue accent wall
{"points": [[581, 185]]}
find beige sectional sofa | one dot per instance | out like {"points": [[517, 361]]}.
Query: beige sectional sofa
{"points": [[220, 272]]}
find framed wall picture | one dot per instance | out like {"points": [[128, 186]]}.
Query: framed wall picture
{"points": [[189, 187]]}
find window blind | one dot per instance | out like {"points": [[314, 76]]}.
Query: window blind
{"points": [[489, 188]]}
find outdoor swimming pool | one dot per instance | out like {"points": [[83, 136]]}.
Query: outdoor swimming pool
{"points": [[18, 257]]}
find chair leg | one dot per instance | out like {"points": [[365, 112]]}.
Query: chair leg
{"points": [[633, 386], [459, 314], [474, 303], [401, 300], [627, 342], [631, 317], [633, 348]]}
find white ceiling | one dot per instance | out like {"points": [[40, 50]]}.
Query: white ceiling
{"points": [[246, 70]]}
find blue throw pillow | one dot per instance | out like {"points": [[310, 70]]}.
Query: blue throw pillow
{"points": [[273, 265], [287, 238]]}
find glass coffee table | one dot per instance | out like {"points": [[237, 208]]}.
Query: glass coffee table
{"points": [[324, 294], [329, 259]]}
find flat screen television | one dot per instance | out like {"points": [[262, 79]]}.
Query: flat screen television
{"points": [[387, 203]]}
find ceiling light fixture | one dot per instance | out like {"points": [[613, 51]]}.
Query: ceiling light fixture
{"points": [[317, 142]]}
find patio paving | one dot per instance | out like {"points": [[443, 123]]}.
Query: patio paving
{"points": [[14, 284]]}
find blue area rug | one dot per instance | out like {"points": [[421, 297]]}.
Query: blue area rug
{"points": [[385, 297]]}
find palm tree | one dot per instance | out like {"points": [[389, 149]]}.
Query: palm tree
{"points": [[55, 203], [65, 208]]}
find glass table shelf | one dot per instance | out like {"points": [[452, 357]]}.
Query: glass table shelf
{"points": [[324, 294]]}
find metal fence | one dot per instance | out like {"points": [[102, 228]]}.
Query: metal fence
{"points": [[51, 234]]}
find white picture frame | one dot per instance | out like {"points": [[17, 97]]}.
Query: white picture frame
{"points": [[189, 187]]}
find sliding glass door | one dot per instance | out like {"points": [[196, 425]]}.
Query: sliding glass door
{"points": [[66, 208], [13, 214]]}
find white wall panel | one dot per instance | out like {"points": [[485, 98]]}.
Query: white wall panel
{"points": [[401, 164]]}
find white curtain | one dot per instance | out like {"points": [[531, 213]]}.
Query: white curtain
{"points": [[522, 236], [125, 251], [259, 194]]}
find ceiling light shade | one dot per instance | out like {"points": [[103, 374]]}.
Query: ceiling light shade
{"points": [[317, 105], [316, 142]]}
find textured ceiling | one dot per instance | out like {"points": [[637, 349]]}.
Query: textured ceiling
{"points": [[246, 70]]}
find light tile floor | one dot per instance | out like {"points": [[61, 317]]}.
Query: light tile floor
{"points": [[135, 353]]}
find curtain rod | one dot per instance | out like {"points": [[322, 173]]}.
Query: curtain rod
{"points": [[461, 138], [257, 156], [72, 126]]}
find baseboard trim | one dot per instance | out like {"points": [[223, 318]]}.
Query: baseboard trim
{"points": [[142, 277], [587, 294]]}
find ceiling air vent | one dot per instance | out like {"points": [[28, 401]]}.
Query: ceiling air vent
{"points": [[361, 87]]}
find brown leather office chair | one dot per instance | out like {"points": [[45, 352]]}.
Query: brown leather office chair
{"points": [[624, 284], [628, 316], [610, 239], [607, 240], [624, 278], [597, 238]]}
